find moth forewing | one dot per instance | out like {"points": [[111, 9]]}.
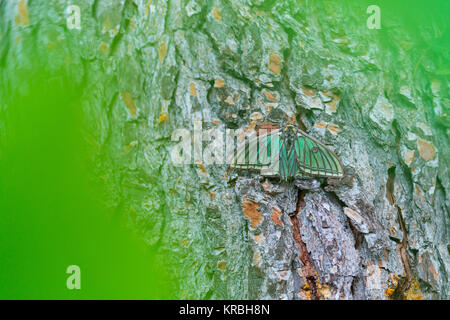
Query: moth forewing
{"points": [[317, 159], [272, 145], [252, 148], [263, 149], [247, 148], [231, 139]]}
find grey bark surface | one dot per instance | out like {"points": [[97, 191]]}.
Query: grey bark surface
{"points": [[151, 67]]}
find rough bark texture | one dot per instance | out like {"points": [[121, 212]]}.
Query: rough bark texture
{"points": [[378, 97]]}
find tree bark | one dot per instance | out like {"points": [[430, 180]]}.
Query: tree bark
{"points": [[378, 97]]}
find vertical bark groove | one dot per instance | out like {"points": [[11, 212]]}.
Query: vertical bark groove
{"points": [[308, 267]]}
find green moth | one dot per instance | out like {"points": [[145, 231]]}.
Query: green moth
{"points": [[287, 153]]}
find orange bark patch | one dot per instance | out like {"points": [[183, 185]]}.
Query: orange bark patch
{"points": [[413, 292], [333, 128], [162, 50], [192, 89], [276, 217], [212, 195], [309, 92], [252, 125], [418, 190], [324, 291], [320, 125], [222, 265], [331, 106], [426, 149], [219, 83], [201, 166], [163, 116], [270, 96], [389, 292], [216, 14], [129, 102], [259, 238], [267, 187], [22, 17], [293, 119], [270, 106], [275, 63], [251, 212], [104, 48], [433, 272]]}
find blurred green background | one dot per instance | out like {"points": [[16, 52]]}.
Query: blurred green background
{"points": [[51, 209], [52, 214]]}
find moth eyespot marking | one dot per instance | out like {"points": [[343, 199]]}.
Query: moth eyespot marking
{"points": [[315, 149]]}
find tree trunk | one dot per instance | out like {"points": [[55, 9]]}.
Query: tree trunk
{"points": [[378, 97]]}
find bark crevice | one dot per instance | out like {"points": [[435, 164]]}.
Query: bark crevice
{"points": [[309, 271]]}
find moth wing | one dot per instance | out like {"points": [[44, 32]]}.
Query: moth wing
{"points": [[256, 152], [315, 159], [272, 154]]}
